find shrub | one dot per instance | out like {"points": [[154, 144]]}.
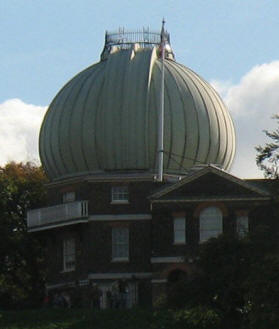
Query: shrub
{"points": [[193, 318], [197, 318]]}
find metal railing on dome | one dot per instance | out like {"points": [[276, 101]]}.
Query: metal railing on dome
{"points": [[144, 37]]}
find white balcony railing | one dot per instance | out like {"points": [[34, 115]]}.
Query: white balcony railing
{"points": [[57, 214]]}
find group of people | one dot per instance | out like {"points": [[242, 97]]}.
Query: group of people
{"points": [[117, 296], [89, 296], [58, 299]]}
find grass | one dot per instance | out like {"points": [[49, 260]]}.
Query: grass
{"points": [[76, 319]]}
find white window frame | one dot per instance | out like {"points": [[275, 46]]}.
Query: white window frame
{"points": [[120, 194], [69, 196], [120, 244], [179, 230], [69, 254], [211, 223], [242, 225]]}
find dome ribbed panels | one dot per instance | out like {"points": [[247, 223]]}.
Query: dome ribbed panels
{"points": [[105, 119]]}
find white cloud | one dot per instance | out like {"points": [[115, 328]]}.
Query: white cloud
{"points": [[252, 102], [19, 131]]}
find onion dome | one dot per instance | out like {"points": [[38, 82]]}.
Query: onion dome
{"points": [[106, 118]]}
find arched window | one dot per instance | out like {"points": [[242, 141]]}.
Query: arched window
{"points": [[211, 223]]}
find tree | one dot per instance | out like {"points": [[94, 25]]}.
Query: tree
{"points": [[225, 262], [268, 155], [238, 279], [217, 285], [21, 254], [262, 297]]}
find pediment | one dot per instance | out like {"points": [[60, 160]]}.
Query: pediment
{"points": [[210, 182]]}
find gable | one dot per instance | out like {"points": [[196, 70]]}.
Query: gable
{"points": [[211, 183]]}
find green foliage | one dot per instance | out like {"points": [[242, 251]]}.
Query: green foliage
{"points": [[191, 318], [197, 318], [21, 255], [238, 280], [161, 302], [188, 293], [224, 262], [77, 319], [163, 319], [268, 155], [262, 297]]}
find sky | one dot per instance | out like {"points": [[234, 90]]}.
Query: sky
{"points": [[233, 44]]}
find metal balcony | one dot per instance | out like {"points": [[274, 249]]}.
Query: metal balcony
{"points": [[59, 215]]}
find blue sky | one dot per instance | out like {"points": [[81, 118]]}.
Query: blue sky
{"points": [[45, 43]]}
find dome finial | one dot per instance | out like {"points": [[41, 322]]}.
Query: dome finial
{"points": [[163, 33]]}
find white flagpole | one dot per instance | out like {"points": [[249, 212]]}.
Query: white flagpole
{"points": [[162, 106]]}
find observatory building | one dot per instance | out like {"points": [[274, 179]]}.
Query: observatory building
{"points": [[112, 225]]}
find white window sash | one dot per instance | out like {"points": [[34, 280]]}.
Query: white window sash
{"points": [[69, 197], [120, 243], [69, 254], [119, 194], [179, 226], [211, 223], [242, 225]]}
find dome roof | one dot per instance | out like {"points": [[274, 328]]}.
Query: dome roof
{"points": [[106, 118]]}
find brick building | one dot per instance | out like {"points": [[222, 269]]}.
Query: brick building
{"points": [[111, 228]]}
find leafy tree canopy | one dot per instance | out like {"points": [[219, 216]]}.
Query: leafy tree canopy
{"points": [[238, 279], [268, 155], [21, 255]]}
